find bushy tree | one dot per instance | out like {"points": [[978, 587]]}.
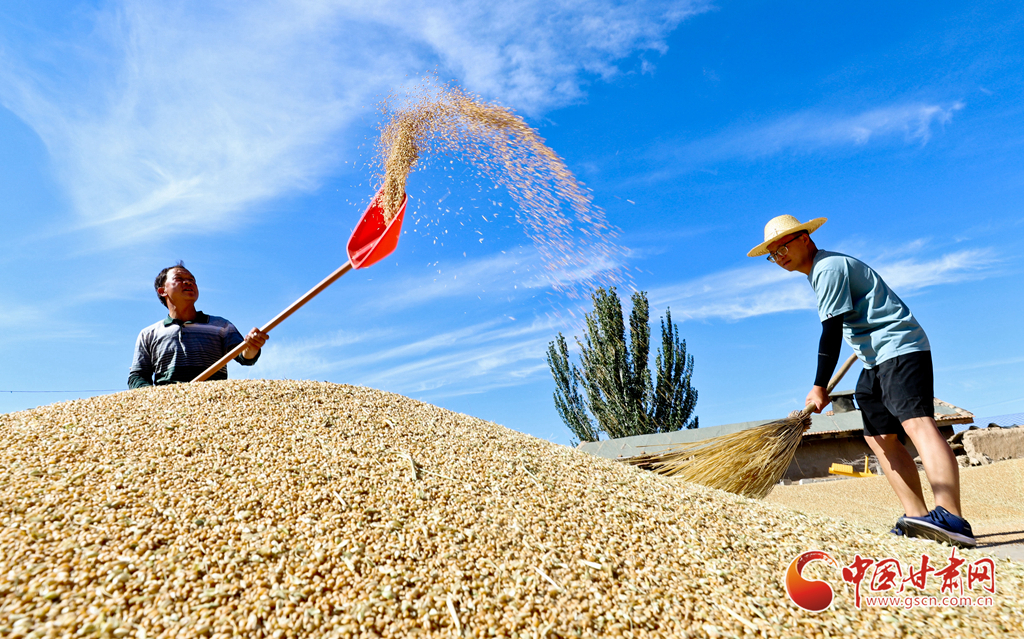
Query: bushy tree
{"points": [[615, 375]]}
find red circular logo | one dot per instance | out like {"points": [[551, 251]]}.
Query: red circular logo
{"points": [[811, 595]]}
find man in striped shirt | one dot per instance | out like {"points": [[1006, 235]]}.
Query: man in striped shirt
{"points": [[187, 341]]}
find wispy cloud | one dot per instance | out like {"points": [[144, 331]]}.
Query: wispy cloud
{"points": [[912, 275], [467, 360], [814, 131], [45, 322], [810, 131], [735, 294], [763, 289], [503, 353], [535, 53], [504, 272], [960, 367], [18, 316], [168, 118], [307, 358], [516, 271]]}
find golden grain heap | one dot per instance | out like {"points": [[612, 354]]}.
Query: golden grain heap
{"points": [[571, 234], [301, 509]]}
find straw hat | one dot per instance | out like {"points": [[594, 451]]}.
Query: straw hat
{"points": [[782, 226]]}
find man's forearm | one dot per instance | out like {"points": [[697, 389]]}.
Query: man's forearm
{"points": [[829, 346], [244, 359], [254, 342], [135, 380]]}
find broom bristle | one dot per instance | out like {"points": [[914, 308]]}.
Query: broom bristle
{"points": [[748, 463]]}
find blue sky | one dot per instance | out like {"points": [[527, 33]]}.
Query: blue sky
{"points": [[239, 139]]}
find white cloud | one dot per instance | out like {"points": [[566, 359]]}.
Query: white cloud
{"points": [[536, 53], [912, 275], [735, 294], [500, 354], [763, 289], [20, 316], [467, 360], [813, 131], [46, 322], [960, 367], [519, 270], [168, 118], [306, 358], [912, 123], [499, 272]]}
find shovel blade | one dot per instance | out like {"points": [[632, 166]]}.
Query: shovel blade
{"points": [[374, 239]]}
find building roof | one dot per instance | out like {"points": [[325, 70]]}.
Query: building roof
{"points": [[1005, 421], [827, 425]]}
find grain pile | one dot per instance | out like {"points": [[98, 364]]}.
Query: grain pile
{"points": [[288, 509], [434, 121]]}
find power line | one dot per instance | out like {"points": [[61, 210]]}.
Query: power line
{"points": [[103, 390]]}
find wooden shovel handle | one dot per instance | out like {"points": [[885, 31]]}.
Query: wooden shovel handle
{"points": [[832, 384], [282, 316]]}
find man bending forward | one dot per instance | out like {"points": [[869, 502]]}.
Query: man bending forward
{"points": [[895, 391]]}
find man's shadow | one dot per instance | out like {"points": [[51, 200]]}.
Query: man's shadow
{"points": [[1004, 538]]}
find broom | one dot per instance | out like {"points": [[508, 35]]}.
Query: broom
{"points": [[749, 463]]}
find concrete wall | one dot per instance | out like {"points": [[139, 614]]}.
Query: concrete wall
{"points": [[994, 444]]}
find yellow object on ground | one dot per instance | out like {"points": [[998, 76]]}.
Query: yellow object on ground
{"points": [[845, 469]]}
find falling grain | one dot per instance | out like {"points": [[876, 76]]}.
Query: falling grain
{"points": [[573, 236]]}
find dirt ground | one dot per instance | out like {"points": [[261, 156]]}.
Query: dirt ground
{"points": [[992, 498]]}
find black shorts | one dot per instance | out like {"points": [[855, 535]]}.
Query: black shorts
{"points": [[896, 390]]}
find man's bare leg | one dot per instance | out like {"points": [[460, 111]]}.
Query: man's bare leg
{"points": [[939, 462], [901, 471]]}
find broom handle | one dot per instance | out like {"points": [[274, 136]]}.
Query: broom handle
{"points": [[282, 316], [832, 384]]}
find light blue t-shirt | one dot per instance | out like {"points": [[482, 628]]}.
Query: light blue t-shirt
{"points": [[876, 322]]}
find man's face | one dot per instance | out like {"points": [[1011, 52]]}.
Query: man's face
{"points": [[795, 254], [179, 288]]}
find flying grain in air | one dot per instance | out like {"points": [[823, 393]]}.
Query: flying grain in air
{"points": [[573, 236]]}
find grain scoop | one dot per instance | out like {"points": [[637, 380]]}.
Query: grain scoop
{"points": [[373, 239]]}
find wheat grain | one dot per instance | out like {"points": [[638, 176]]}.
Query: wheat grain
{"points": [[576, 242], [288, 509]]}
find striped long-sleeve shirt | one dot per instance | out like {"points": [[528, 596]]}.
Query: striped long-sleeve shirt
{"points": [[172, 351]]}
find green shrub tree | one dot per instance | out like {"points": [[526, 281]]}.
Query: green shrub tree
{"points": [[618, 396]]}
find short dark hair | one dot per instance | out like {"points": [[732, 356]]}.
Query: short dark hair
{"points": [[161, 279]]}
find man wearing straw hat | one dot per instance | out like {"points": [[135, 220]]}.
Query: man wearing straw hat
{"points": [[895, 390]]}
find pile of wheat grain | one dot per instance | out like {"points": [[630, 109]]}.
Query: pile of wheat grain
{"points": [[571, 234], [300, 509]]}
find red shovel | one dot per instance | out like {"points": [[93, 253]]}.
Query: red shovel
{"points": [[373, 240]]}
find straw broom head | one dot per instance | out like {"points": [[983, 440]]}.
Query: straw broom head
{"points": [[748, 463]]}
